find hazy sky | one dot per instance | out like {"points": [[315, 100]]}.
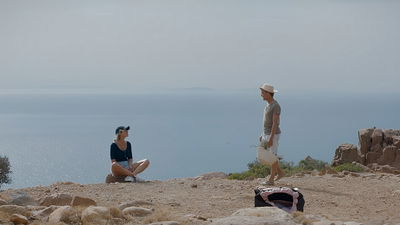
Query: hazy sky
{"points": [[299, 45]]}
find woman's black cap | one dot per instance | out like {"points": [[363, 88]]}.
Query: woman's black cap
{"points": [[121, 128]]}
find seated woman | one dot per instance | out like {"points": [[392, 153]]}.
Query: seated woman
{"points": [[121, 157]]}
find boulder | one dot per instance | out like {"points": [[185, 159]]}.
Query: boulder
{"points": [[364, 138], [82, 202], [346, 153], [15, 209], [96, 215], [65, 214], [56, 199], [19, 219], [22, 199], [113, 179], [136, 212], [257, 216], [44, 212], [377, 137]]}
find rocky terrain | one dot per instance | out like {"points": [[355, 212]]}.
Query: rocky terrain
{"points": [[378, 149], [344, 198]]}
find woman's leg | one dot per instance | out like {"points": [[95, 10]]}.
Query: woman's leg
{"points": [[119, 171], [140, 166]]}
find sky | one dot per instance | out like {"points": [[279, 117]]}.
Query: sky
{"points": [[137, 45]]}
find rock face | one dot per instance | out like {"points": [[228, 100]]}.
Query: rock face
{"points": [[377, 148]]}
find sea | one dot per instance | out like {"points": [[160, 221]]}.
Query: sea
{"points": [[55, 137]]}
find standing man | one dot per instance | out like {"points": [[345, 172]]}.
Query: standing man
{"points": [[270, 137]]}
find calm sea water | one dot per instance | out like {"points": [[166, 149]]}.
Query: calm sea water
{"points": [[66, 137]]}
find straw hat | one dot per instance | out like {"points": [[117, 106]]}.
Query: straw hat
{"points": [[268, 88]]}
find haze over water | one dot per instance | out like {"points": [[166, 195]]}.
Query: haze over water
{"points": [[66, 137]]}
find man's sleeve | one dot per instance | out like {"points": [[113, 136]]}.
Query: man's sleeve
{"points": [[277, 110]]}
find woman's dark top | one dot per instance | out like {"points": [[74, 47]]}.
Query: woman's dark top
{"points": [[119, 155]]}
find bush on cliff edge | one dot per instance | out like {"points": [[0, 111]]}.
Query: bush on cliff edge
{"points": [[5, 170]]}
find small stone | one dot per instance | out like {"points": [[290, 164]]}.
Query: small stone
{"points": [[19, 219], [193, 185]]}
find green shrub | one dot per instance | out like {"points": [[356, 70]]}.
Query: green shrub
{"points": [[255, 170], [5, 170], [312, 164], [349, 167], [258, 170]]}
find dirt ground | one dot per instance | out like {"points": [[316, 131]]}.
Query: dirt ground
{"points": [[369, 198]]}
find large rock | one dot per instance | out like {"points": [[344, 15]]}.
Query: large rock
{"points": [[346, 153], [364, 138], [22, 198], [257, 216], [136, 212], [19, 219], [65, 214], [96, 215], [82, 202], [15, 209], [56, 199], [43, 213]]}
